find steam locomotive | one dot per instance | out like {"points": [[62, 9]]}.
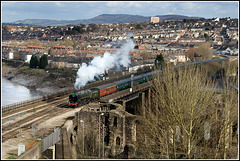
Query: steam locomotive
{"points": [[100, 91]]}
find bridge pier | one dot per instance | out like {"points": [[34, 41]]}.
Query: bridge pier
{"points": [[149, 97], [142, 110], [124, 105], [53, 151]]}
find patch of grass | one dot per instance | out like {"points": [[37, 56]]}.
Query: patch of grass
{"points": [[43, 81], [13, 154], [12, 157], [31, 71]]}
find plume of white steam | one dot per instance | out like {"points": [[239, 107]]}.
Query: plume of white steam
{"points": [[99, 64]]}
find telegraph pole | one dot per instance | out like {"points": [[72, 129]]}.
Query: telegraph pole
{"points": [[99, 135]]}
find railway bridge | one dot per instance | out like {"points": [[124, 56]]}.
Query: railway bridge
{"points": [[133, 99]]}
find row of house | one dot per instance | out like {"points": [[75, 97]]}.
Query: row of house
{"points": [[169, 38]]}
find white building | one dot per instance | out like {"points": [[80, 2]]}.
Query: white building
{"points": [[154, 19], [182, 58], [28, 58], [10, 55]]}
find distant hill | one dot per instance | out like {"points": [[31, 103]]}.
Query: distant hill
{"points": [[176, 17], [104, 18]]}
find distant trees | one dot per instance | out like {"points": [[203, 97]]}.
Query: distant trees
{"points": [[206, 37], [159, 61], [139, 26], [82, 28], [203, 50], [36, 62], [92, 27], [43, 61], [144, 55], [190, 53]]}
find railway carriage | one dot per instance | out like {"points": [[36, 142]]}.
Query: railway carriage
{"points": [[138, 79], [147, 77], [123, 84], [107, 89]]}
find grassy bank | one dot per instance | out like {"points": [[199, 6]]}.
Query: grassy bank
{"points": [[31, 72]]}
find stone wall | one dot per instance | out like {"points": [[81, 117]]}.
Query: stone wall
{"points": [[119, 131], [80, 136]]}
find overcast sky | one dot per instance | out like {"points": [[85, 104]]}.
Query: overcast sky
{"points": [[72, 10]]}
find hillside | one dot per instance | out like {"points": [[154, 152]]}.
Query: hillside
{"points": [[175, 17], [104, 18]]}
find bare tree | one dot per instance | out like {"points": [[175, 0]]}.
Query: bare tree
{"points": [[227, 119], [205, 51], [144, 55], [174, 124], [190, 53]]}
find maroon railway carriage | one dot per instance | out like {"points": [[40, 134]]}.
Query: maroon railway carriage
{"points": [[107, 89]]}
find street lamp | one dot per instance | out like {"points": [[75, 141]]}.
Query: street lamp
{"points": [[83, 134], [99, 134]]}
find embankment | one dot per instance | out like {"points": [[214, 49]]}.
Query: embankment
{"points": [[39, 80]]}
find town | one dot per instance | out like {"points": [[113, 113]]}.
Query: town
{"points": [[69, 46], [135, 112]]}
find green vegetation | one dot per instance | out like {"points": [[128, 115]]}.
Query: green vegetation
{"points": [[34, 62], [43, 61], [206, 37], [13, 154], [29, 71], [12, 157], [159, 61]]}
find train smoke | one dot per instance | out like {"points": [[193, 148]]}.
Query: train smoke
{"points": [[99, 64]]}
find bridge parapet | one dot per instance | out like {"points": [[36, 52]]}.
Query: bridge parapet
{"points": [[34, 100]]}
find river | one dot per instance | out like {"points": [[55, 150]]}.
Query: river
{"points": [[12, 92]]}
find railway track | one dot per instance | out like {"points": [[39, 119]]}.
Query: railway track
{"points": [[49, 110], [36, 104]]}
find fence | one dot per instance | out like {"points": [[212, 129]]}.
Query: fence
{"points": [[34, 100], [51, 139]]}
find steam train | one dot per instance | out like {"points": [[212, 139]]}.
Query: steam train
{"points": [[103, 90]]}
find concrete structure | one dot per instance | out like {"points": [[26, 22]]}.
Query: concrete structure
{"points": [[119, 135], [118, 126], [28, 58], [155, 19], [34, 153], [10, 55]]}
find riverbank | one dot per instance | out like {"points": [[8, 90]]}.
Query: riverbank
{"points": [[37, 79]]}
